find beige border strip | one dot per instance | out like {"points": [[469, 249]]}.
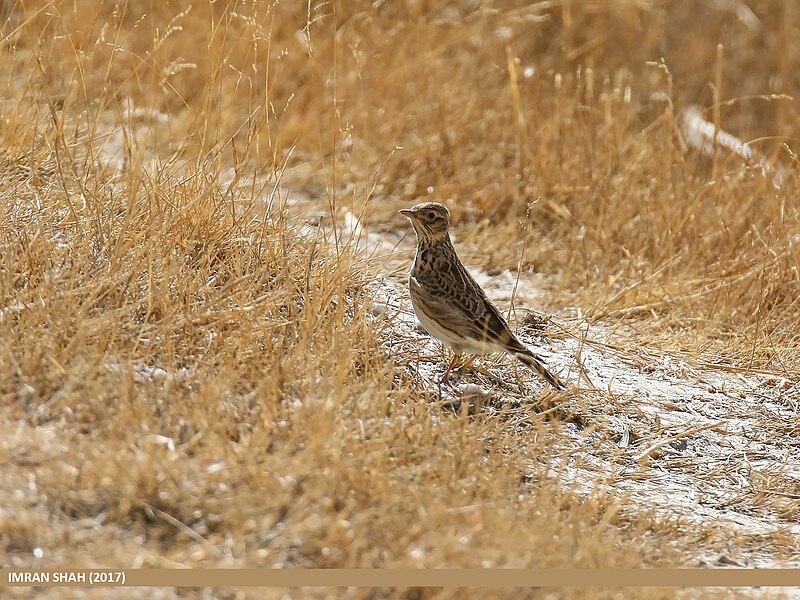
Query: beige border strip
{"points": [[402, 577]]}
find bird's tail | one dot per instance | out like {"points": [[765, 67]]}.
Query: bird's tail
{"points": [[535, 363]]}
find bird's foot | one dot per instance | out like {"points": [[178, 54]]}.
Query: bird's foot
{"points": [[450, 368]]}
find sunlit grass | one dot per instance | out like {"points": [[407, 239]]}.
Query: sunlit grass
{"points": [[189, 368]]}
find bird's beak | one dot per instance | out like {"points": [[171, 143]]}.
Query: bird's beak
{"points": [[406, 212]]}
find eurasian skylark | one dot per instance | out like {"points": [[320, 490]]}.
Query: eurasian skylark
{"points": [[450, 304]]}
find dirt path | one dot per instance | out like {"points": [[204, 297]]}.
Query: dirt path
{"points": [[694, 443]]}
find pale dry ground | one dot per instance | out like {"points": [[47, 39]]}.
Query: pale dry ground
{"points": [[695, 442], [207, 356]]}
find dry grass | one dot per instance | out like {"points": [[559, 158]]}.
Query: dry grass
{"points": [[189, 372]]}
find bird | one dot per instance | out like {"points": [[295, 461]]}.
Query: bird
{"points": [[449, 303]]}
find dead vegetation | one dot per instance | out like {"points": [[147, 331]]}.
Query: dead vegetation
{"points": [[191, 370]]}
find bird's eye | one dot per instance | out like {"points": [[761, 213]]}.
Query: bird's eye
{"points": [[431, 216]]}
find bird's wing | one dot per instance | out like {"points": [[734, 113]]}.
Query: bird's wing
{"points": [[455, 297]]}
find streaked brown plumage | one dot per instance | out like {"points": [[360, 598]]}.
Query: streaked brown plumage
{"points": [[450, 304]]}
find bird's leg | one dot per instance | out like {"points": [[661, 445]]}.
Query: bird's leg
{"points": [[446, 376], [469, 361]]}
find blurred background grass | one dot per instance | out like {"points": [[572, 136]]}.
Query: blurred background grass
{"points": [[148, 149]]}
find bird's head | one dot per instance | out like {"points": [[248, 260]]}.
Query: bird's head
{"points": [[430, 221]]}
